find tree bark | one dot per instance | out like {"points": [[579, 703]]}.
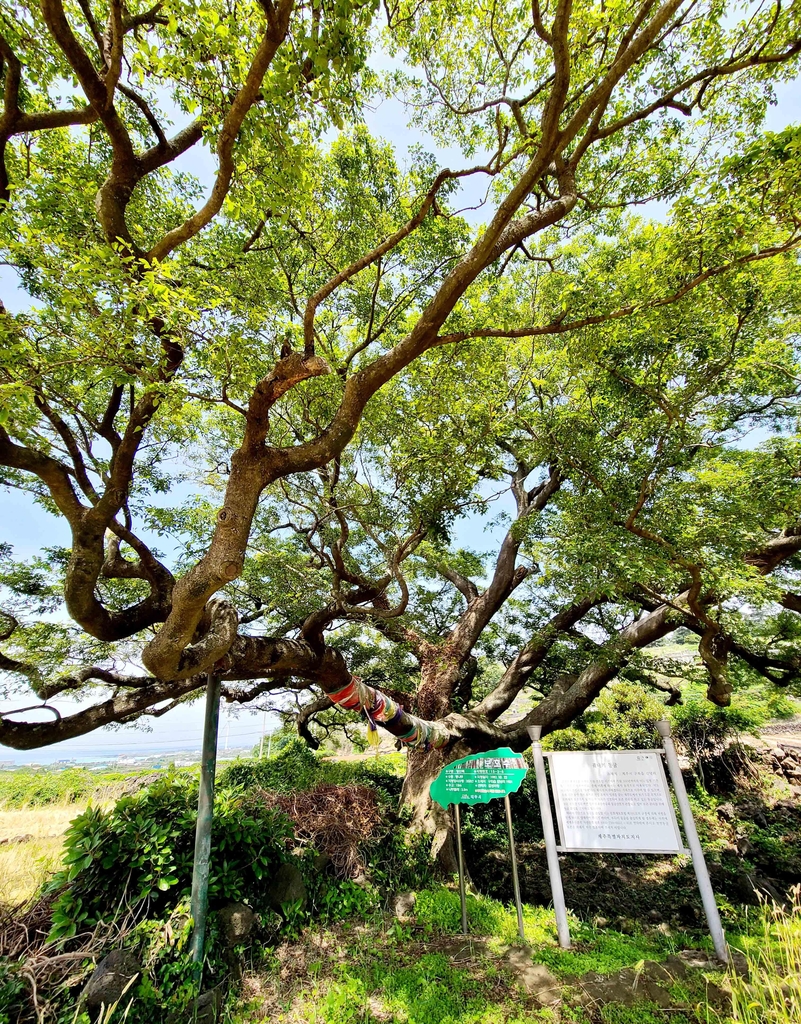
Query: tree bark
{"points": [[427, 817]]}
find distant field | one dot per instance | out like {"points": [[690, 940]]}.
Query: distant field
{"points": [[40, 787], [35, 838], [680, 651], [35, 809]]}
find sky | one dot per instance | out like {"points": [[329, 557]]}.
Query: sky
{"points": [[29, 528]]}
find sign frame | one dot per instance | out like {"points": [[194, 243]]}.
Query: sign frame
{"points": [[691, 833], [679, 849]]}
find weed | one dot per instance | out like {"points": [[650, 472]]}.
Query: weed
{"points": [[642, 1013], [772, 992]]}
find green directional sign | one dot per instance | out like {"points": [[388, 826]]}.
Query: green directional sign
{"points": [[479, 778]]}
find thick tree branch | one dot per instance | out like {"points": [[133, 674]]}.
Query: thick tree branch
{"points": [[524, 664], [507, 575], [277, 27]]}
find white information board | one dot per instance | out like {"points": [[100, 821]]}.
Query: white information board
{"points": [[614, 801]]}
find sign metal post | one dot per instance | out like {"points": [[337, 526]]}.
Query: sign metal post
{"points": [[477, 779], [691, 833], [513, 856], [554, 872], [460, 857]]}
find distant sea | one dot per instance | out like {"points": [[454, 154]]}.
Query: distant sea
{"points": [[47, 757]]}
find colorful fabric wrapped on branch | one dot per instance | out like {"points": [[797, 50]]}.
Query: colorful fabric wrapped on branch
{"points": [[380, 709]]}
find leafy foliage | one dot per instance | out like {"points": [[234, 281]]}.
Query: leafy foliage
{"points": [[141, 851], [297, 768], [622, 718], [703, 729], [38, 788]]}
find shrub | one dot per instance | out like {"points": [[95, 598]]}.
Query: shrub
{"points": [[702, 728], [622, 718], [297, 768], [12, 988], [29, 788], [293, 769], [169, 978], [142, 849], [384, 774]]}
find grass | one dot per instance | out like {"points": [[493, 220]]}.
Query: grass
{"points": [[438, 912], [24, 866], [40, 804], [771, 994], [37, 821], [340, 978], [424, 972]]}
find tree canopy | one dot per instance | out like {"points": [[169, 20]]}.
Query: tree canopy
{"points": [[266, 405]]}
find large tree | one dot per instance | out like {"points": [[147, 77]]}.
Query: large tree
{"points": [[345, 367]]}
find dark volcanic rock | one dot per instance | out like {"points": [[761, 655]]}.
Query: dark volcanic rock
{"points": [[112, 981], [287, 886], [237, 920]]}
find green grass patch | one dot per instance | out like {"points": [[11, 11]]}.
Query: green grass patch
{"points": [[642, 1013], [605, 951], [439, 911], [375, 985]]}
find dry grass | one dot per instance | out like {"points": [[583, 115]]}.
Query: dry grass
{"points": [[772, 992], [38, 821], [24, 865]]}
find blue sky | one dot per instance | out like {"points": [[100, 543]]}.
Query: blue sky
{"points": [[28, 528]]}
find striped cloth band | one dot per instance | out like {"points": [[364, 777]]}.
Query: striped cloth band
{"points": [[382, 710]]}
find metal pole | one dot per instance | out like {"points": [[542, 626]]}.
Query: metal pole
{"points": [[555, 874], [691, 833], [205, 814], [460, 856], [515, 880], [263, 727]]}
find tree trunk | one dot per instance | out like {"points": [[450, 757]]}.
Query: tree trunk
{"points": [[428, 817], [439, 676]]}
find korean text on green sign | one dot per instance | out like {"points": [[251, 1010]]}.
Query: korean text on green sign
{"points": [[479, 778]]}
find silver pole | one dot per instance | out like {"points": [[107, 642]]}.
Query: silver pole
{"points": [[690, 831], [460, 856], [205, 813], [513, 855], [263, 727], [557, 892]]}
